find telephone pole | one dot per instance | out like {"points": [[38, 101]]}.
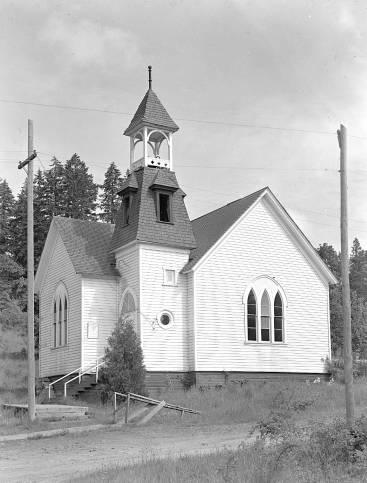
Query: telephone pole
{"points": [[348, 359], [30, 273]]}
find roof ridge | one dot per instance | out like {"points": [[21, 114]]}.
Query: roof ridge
{"points": [[231, 202], [69, 218]]}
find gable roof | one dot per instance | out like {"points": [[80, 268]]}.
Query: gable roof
{"points": [[209, 228], [87, 244], [151, 112]]}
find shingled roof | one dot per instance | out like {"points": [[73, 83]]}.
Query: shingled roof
{"points": [[209, 228], [152, 113], [87, 244], [143, 225]]}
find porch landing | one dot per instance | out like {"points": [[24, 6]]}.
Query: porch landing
{"points": [[50, 411]]}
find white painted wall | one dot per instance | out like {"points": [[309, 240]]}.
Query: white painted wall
{"points": [[60, 360], [99, 316], [259, 245], [165, 349]]}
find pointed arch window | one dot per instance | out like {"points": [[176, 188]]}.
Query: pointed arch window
{"points": [[278, 318], [60, 317], [128, 309], [264, 311], [265, 317], [251, 317]]}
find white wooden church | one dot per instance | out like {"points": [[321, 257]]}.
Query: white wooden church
{"points": [[239, 292]]}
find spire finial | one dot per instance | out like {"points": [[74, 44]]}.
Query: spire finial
{"points": [[150, 76]]}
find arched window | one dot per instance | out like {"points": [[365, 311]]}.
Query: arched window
{"points": [[128, 309], [266, 305], [278, 318], [60, 317], [54, 329], [251, 317], [265, 317]]}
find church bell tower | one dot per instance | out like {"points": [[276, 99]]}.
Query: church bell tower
{"points": [[153, 127], [152, 202]]}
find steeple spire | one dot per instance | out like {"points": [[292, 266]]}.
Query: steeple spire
{"points": [[150, 76]]}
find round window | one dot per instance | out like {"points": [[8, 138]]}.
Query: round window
{"points": [[165, 319]]}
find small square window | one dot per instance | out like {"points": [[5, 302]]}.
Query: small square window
{"points": [[92, 329], [169, 276]]}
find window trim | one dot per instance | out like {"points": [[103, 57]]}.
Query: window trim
{"points": [[60, 318], [134, 314], [167, 193], [259, 285], [126, 210], [165, 280], [170, 315]]}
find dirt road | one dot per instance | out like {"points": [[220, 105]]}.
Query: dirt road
{"points": [[65, 457]]}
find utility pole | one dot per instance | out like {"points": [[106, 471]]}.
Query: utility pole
{"points": [[348, 359], [30, 273]]}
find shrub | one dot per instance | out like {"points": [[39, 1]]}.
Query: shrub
{"points": [[124, 369], [336, 368]]}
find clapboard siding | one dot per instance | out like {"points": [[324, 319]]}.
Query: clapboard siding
{"points": [[258, 246], [191, 319], [164, 349], [64, 359], [99, 311]]}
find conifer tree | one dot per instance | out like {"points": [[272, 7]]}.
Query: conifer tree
{"points": [[109, 199], [124, 369], [7, 203], [18, 227], [55, 185], [42, 215], [358, 270], [79, 189]]}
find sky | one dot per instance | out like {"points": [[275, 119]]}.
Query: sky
{"points": [[258, 89]]}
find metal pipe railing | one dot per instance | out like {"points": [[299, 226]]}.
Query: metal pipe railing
{"points": [[60, 379], [79, 376]]}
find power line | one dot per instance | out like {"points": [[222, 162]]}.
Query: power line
{"points": [[201, 121]]}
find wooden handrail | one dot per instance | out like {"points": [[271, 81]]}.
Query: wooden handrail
{"points": [[148, 400]]}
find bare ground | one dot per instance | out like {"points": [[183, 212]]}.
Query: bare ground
{"points": [[66, 457]]}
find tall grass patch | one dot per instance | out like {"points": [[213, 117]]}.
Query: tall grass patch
{"points": [[252, 401]]}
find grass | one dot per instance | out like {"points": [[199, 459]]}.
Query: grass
{"points": [[256, 464], [13, 366], [310, 448], [249, 403], [229, 405]]}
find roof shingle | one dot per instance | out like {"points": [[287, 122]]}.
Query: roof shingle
{"points": [[87, 243], [152, 113], [143, 225]]}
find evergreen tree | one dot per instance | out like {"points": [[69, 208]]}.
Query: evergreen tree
{"points": [[331, 258], [124, 369], [358, 270], [42, 215], [55, 186], [79, 189], [109, 199], [7, 203], [18, 228], [12, 294]]}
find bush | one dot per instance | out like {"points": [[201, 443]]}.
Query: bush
{"points": [[124, 369], [319, 449], [336, 368]]}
